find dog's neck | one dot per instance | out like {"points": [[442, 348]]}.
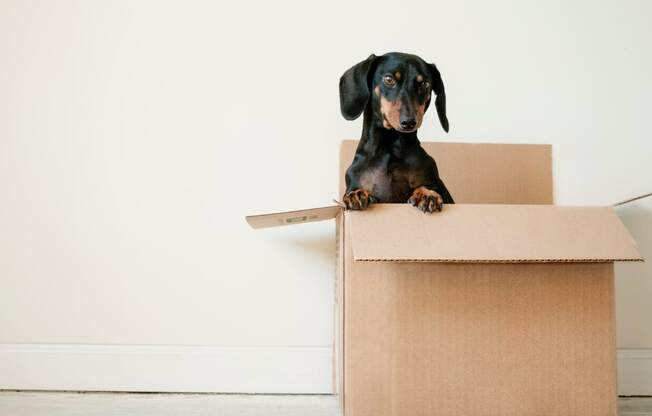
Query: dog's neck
{"points": [[377, 139]]}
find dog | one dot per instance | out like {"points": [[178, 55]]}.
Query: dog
{"points": [[390, 166]]}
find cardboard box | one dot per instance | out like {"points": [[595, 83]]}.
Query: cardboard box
{"points": [[502, 304]]}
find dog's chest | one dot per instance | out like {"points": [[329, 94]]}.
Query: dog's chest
{"points": [[388, 182]]}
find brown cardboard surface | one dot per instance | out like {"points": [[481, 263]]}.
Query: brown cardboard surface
{"points": [[479, 339], [484, 173], [293, 217], [491, 233]]}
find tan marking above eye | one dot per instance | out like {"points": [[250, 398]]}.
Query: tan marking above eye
{"points": [[419, 78], [397, 75]]}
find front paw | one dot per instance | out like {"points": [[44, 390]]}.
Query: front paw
{"points": [[358, 199], [426, 200]]}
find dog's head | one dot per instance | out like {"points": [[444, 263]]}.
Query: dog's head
{"points": [[398, 86]]}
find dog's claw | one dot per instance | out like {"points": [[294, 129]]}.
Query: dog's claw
{"points": [[358, 199], [426, 200]]}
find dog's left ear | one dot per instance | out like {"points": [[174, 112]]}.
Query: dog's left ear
{"points": [[440, 101], [354, 88]]}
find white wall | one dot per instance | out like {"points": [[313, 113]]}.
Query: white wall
{"points": [[135, 135]]}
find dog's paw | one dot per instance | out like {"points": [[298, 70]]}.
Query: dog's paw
{"points": [[426, 200], [358, 199]]}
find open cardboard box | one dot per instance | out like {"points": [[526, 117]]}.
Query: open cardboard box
{"points": [[502, 304]]}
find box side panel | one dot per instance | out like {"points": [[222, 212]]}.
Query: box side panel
{"points": [[479, 339], [338, 365], [484, 173]]}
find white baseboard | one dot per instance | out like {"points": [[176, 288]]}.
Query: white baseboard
{"points": [[306, 370], [635, 372], [166, 368]]}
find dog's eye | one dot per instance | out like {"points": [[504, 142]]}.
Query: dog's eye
{"points": [[389, 80], [424, 85]]}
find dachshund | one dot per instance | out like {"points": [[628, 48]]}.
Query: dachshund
{"points": [[390, 166]]}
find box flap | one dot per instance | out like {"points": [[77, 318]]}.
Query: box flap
{"points": [[293, 217], [490, 233]]}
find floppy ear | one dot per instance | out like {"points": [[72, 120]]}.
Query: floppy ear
{"points": [[354, 89], [440, 101]]}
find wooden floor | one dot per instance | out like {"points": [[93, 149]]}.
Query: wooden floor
{"points": [[120, 404]]}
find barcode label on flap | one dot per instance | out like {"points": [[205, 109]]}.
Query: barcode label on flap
{"points": [[302, 218]]}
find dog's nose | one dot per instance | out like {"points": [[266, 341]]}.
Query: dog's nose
{"points": [[408, 123]]}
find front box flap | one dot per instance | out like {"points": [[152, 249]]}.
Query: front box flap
{"points": [[293, 217], [490, 233]]}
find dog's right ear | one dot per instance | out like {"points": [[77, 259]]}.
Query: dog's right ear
{"points": [[354, 89], [440, 101]]}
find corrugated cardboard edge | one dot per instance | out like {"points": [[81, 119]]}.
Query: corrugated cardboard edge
{"points": [[486, 261]]}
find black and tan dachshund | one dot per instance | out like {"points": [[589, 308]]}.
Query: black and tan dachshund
{"points": [[390, 166]]}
